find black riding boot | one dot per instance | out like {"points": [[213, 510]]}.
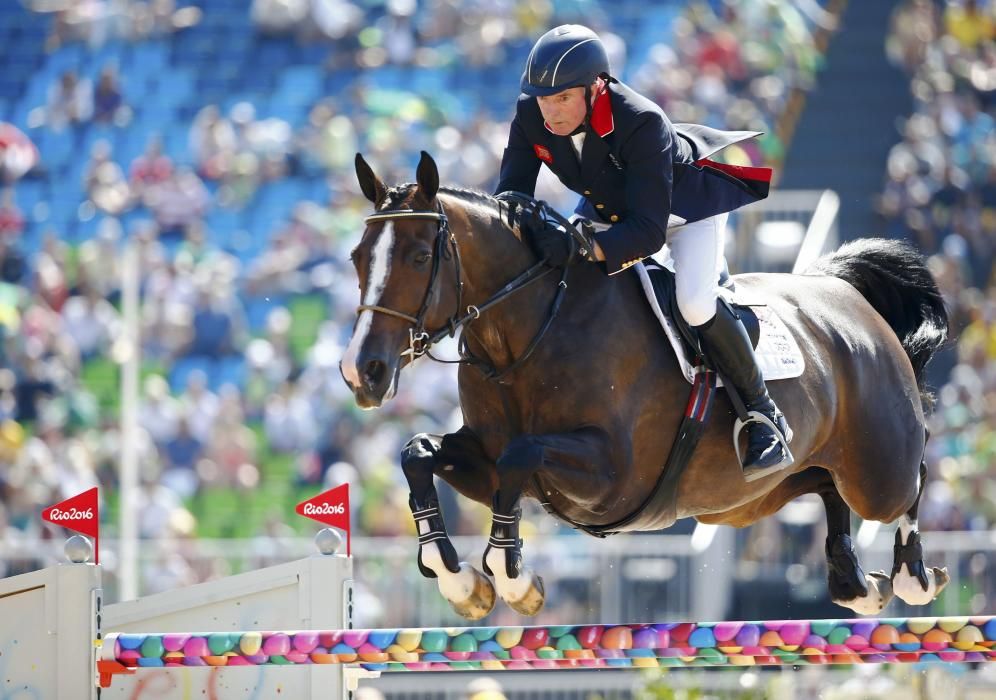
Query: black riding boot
{"points": [[728, 346]]}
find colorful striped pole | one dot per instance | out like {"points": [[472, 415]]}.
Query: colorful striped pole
{"points": [[788, 642]]}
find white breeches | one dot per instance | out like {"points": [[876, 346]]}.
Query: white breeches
{"points": [[697, 250]]}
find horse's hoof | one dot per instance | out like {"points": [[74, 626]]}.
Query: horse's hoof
{"points": [[941, 577], [879, 594], [910, 590], [533, 599], [470, 592]]}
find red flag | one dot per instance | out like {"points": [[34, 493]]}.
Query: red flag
{"points": [[331, 508], [80, 513]]}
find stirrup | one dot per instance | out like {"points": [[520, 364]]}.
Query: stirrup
{"points": [[783, 439]]}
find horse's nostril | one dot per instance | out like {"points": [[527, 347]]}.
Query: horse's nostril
{"points": [[373, 373]]}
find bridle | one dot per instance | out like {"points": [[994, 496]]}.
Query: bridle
{"points": [[421, 340]]}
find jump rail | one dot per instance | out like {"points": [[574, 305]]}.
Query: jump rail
{"points": [[790, 642]]}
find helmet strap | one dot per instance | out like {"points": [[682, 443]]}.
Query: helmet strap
{"points": [[588, 105]]}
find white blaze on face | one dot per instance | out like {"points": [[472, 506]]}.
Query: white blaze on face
{"points": [[380, 269]]}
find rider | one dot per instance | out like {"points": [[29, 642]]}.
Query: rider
{"points": [[643, 183]]}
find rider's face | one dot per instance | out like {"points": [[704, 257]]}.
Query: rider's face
{"points": [[564, 111]]}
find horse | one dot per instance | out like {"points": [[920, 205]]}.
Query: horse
{"points": [[583, 417]]}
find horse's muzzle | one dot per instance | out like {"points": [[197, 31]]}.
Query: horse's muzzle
{"points": [[375, 381]]}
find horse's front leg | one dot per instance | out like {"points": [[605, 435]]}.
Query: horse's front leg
{"points": [[454, 456], [582, 457]]}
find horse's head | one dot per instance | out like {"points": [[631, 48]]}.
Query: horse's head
{"points": [[406, 279]]}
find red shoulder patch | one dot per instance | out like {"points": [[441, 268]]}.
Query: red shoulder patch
{"points": [[543, 153]]}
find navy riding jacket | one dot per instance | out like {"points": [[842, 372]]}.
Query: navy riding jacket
{"points": [[636, 170]]}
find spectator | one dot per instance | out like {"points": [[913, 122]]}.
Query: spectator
{"points": [[212, 142], [12, 269], [98, 264], [278, 17], [18, 154], [178, 202], [217, 324], [965, 22], [159, 413], [231, 453], [161, 18], [108, 104], [91, 322], [200, 406], [11, 218], [50, 281], [33, 383], [157, 507], [182, 452], [70, 101], [105, 182], [288, 422], [150, 170]]}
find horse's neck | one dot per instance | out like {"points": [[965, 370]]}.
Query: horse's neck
{"points": [[490, 253], [492, 256]]}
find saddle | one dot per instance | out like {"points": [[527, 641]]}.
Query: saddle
{"points": [[665, 292]]}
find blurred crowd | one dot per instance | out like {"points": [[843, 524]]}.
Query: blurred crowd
{"points": [[242, 223], [225, 399], [940, 192]]}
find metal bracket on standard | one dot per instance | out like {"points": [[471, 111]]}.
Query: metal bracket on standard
{"points": [[353, 675]]}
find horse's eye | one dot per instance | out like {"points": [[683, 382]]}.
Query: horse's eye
{"points": [[423, 258]]}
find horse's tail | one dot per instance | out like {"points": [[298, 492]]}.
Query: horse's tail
{"points": [[895, 280]]}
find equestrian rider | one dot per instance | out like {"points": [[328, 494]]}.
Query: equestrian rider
{"points": [[643, 183]]}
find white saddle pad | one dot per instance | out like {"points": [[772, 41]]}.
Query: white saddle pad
{"points": [[777, 352]]}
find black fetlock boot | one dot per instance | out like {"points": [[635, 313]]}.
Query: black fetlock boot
{"points": [[505, 535], [728, 347], [435, 531]]}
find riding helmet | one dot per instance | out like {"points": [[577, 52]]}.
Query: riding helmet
{"points": [[567, 56]]}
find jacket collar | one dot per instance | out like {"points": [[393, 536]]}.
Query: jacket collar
{"points": [[601, 114]]}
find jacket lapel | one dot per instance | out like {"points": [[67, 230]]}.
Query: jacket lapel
{"points": [[601, 124], [593, 154], [565, 160]]}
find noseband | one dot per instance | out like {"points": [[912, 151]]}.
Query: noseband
{"points": [[420, 340]]}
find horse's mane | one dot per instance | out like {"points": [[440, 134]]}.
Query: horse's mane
{"points": [[398, 195]]}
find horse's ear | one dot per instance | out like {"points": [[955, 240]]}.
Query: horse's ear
{"points": [[373, 188], [427, 177]]}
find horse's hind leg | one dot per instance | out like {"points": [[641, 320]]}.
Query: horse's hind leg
{"points": [[580, 456], [911, 580], [849, 586], [458, 457]]}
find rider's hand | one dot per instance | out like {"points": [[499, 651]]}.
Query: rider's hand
{"points": [[553, 245], [594, 251]]}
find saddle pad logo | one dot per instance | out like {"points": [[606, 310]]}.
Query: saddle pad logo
{"points": [[543, 153]]}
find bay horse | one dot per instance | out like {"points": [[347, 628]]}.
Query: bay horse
{"points": [[583, 417]]}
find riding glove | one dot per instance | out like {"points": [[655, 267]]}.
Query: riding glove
{"points": [[553, 245]]}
